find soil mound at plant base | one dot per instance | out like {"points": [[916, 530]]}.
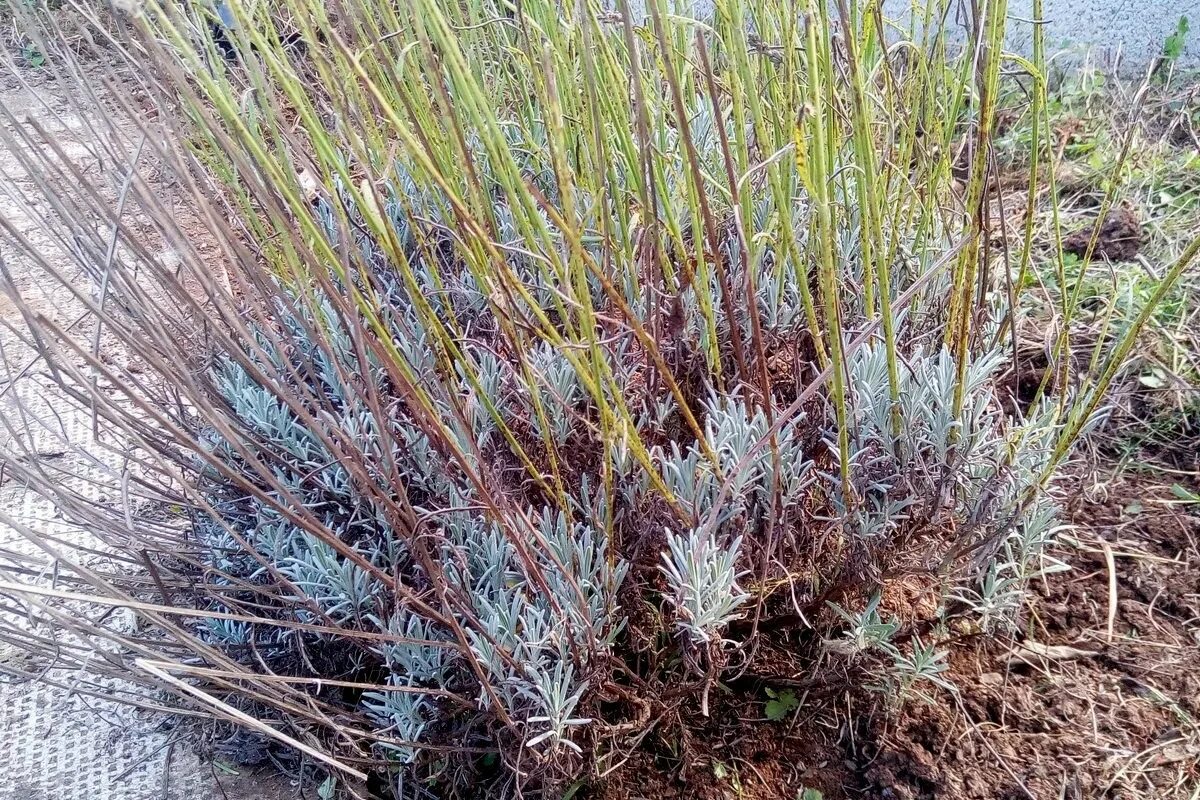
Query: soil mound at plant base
{"points": [[1120, 237], [1064, 708]]}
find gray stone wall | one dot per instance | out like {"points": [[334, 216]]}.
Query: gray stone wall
{"points": [[1134, 30]]}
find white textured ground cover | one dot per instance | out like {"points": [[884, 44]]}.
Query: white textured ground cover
{"points": [[57, 740]]}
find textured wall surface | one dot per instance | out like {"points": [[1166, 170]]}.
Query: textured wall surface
{"points": [[1135, 29]]}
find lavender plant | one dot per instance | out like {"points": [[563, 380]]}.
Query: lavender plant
{"points": [[567, 357], [703, 578]]}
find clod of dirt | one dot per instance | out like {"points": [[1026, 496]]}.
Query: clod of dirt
{"points": [[1120, 237], [991, 679]]}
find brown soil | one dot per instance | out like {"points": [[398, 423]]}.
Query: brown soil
{"points": [[1120, 237], [1070, 710]]}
